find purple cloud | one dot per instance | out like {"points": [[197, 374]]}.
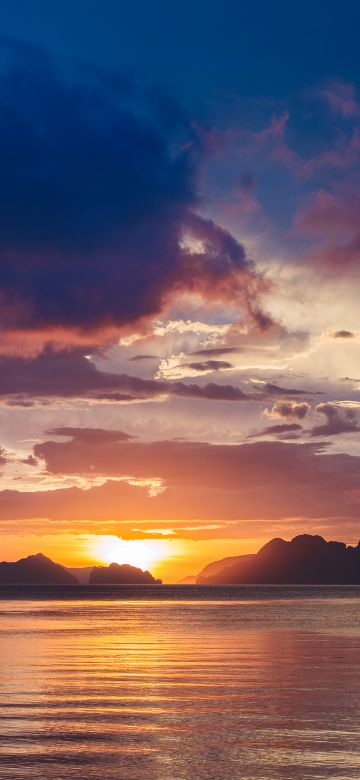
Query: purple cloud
{"points": [[290, 409], [339, 419]]}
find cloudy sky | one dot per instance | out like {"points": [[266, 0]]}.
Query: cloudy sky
{"points": [[179, 278]]}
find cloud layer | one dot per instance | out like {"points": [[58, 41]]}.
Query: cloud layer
{"points": [[233, 485]]}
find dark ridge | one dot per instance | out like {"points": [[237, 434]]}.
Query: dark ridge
{"points": [[121, 574], [82, 573], [35, 570], [306, 560]]}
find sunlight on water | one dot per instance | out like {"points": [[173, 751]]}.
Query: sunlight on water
{"points": [[259, 688]]}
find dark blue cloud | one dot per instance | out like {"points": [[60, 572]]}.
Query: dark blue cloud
{"points": [[92, 198], [98, 183]]}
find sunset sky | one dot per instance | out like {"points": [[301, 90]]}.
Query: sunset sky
{"points": [[179, 278]]}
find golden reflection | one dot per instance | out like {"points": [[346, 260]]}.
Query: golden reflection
{"points": [[138, 689]]}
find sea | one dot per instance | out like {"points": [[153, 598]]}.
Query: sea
{"points": [[179, 683]]}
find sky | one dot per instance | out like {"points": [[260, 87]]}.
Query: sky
{"points": [[179, 278]]}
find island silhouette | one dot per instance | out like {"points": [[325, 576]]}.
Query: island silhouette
{"points": [[40, 570], [122, 574], [37, 570], [305, 560]]}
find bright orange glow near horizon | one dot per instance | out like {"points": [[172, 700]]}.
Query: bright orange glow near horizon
{"points": [[143, 553], [170, 559]]}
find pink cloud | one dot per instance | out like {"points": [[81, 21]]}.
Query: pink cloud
{"points": [[264, 481], [333, 220], [275, 130], [341, 98]]}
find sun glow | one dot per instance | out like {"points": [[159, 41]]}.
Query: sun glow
{"points": [[142, 553]]}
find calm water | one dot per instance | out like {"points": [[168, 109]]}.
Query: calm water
{"points": [[180, 683]]}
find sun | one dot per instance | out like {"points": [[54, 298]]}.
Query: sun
{"points": [[142, 553]]}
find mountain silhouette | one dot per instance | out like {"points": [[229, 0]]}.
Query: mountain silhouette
{"points": [[216, 567], [35, 570], [121, 574], [82, 573], [306, 560]]}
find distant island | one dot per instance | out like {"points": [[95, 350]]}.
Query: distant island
{"points": [[306, 560], [121, 574], [35, 570], [40, 570]]}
